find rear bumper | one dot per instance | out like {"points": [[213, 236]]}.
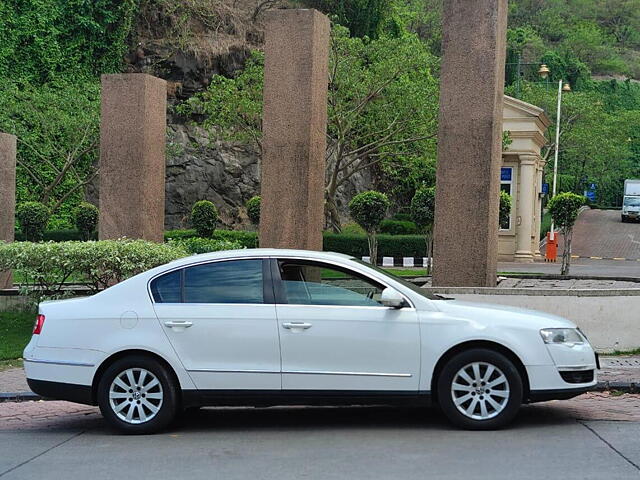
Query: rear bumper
{"points": [[62, 391]]}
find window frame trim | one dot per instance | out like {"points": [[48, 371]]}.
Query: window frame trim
{"points": [[268, 297]]}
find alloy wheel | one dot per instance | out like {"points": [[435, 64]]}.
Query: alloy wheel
{"points": [[135, 395], [480, 391]]}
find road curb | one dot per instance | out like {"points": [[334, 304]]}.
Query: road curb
{"points": [[624, 387]]}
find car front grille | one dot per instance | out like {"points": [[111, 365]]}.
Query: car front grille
{"points": [[579, 376]]}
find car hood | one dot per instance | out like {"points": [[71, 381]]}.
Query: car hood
{"points": [[491, 313]]}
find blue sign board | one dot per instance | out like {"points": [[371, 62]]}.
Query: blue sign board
{"points": [[545, 188], [591, 195], [505, 174]]}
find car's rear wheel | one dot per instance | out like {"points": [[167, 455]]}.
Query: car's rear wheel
{"points": [[138, 395], [480, 389]]}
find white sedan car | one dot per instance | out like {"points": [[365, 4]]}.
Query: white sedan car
{"points": [[280, 327]]}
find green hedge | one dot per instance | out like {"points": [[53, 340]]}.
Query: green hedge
{"points": [[398, 227], [57, 235], [355, 245]]}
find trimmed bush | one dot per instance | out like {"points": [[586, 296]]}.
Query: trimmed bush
{"points": [[353, 229], [388, 245], [85, 217], [53, 235], [398, 227], [32, 218], [204, 218], [175, 234], [253, 209], [196, 245], [46, 266], [403, 217], [368, 210], [564, 209], [423, 206]]}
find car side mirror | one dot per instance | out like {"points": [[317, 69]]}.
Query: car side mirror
{"points": [[392, 298]]}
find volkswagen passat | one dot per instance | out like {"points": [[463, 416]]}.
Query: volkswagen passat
{"points": [[280, 327]]}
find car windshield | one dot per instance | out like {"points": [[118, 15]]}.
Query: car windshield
{"points": [[412, 286], [632, 202]]}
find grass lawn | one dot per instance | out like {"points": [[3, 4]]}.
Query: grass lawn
{"points": [[15, 332]]}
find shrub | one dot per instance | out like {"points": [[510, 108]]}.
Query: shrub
{"points": [[353, 229], [368, 210], [405, 217], [505, 209], [53, 235], [196, 245], [204, 217], [32, 218], [85, 217], [244, 238], [388, 245], [398, 227], [423, 206], [253, 209]]}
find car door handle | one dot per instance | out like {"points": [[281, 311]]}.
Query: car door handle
{"points": [[172, 324], [290, 325]]}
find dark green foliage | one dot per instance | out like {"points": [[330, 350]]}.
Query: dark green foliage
{"points": [[86, 219], [368, 209], [388, 245], [253, 209], [423, 207], [204, 218], [197, 245], [564, 209], [405, 217], [54, 235], [363, 18], [398, 227], [32, 218], [15, 331], [505, 208], [244, 238], [43, 40]]}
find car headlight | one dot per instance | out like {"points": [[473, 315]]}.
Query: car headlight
{"points": [[566, 336]]}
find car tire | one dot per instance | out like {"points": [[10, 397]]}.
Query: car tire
{"points": [[138, 395], [480, 389]]}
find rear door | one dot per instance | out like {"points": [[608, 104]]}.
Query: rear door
{"points": [[336, 335], [220, 318]]}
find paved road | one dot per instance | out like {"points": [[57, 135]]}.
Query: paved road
{"points": [[579, 266], [584, 438]]}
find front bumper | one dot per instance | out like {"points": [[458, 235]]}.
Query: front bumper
{"points": [[556, 394]]}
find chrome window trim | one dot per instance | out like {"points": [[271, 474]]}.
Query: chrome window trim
{"points": [[356, 268], [59, 362]]}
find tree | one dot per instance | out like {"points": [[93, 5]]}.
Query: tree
{"points": [[423, 206], [564, 211], [368, 209], [57, 126], [382, 110]]}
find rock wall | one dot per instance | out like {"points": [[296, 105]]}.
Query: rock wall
{"points": [[225, 173]]}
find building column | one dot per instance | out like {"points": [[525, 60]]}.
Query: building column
{"points": [[469, 143], [535, 242], [7, 196], [294, 129], [525, 210], [132, 156]]}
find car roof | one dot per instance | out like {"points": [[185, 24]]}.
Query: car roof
{"points": [[261, 252]]}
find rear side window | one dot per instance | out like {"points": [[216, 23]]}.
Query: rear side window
{"points": [[232, 281], [167, 288]]}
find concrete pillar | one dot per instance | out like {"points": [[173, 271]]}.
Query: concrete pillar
{"points": [[469, 142], [525, 212], [7, 196], [294, 129], [132, 156]]}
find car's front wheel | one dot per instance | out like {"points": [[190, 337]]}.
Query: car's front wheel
{"points": [[138, 395], [480, 389]]}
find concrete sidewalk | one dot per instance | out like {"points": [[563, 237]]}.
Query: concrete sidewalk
{"points": [[617, 373]]}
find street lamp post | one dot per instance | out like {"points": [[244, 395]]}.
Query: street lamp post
{"points": [[561, 88]]}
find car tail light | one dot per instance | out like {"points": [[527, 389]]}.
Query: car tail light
{"points": [[37, 327]]}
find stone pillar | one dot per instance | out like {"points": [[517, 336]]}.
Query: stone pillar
{"points": [[132, 156], [294, 129], [525, 213], [7, 196], [469, 143]]}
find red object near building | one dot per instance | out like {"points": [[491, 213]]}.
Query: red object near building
{"points": [[551, 251]]}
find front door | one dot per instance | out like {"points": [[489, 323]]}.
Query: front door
{"points": [[221, 322], [336, 335]]}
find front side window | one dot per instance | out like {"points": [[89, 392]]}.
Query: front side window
{"points": [[232, 281], [311, 283]]}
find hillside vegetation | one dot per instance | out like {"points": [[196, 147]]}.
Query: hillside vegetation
{"points": [[52, 53]]}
